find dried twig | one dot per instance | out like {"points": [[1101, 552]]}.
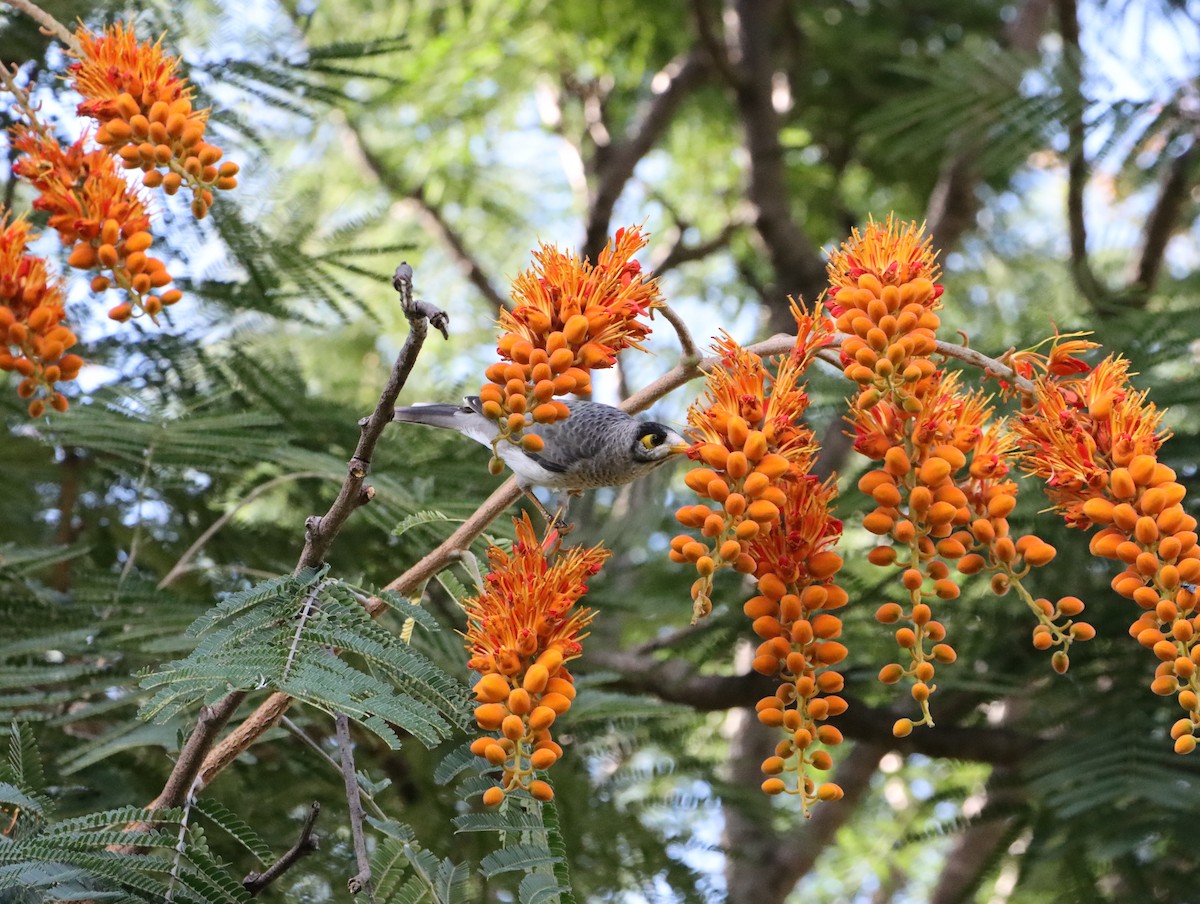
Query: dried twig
{"points": [[305, 844], [212, 720], [50, 25], [687, 344], [361, 881], [320, 531]]}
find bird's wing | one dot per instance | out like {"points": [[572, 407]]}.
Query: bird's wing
{"points": [[575, 441]]}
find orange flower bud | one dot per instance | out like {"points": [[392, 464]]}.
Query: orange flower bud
{"points": [[737, 465], [1164, 686], [773, 786], [489, 716], [763, 511], [1082, 631], [824, 564], [755, 446], [888, 613], [542, 717], [560, 703], [1122, 484], [491, 688], [771, 586], [714, 455], [738, 431], [773, 466], [1040, 554], [575, 329], [541, 790], [747, 530]]}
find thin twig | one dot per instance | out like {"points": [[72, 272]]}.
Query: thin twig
{"points": [[687, 344], [362, 880], [181, 567], [212, 720], [305, 844], [183, 780], [320, 532], [50, 25], [323, 754], [135, 541], [68, 497]]}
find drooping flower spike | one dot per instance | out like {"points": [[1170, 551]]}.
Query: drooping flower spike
{"points": [[144, 106], [772, 519], [33, 338], [522, 629], [1094, 440], [97, 215]]}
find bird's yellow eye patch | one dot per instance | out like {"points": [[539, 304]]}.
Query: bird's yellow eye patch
{"points": [[648, 441]]}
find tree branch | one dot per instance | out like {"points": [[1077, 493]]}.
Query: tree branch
{"points": [[677, 681], [1162, 221], [66, 532], [361, 881], [50, 26], [212, 719], [200, 761], [953, 203], [1077, 168], [615, 167], [974, 854], [255, 882], [795, 259]]}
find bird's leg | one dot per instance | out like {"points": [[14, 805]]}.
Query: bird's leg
{"points": [[555, 521]]}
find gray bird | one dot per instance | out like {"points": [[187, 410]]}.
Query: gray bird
{"points": [[597, 446]]}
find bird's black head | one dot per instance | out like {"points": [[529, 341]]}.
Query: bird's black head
{"points": [[655, 442]]}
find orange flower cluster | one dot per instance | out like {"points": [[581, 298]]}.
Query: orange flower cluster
{"points": [[92, 208], [1094, 440], [144, 107], [772, 519], [918, 423], [750, 437], [134, 90], [33, 339], [521, 631], [883, 294], [796, 569], [570, 317]]}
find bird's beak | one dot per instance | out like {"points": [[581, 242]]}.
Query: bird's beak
{"points": [[681, 448]]}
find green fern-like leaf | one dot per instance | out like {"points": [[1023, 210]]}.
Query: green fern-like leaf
{"points": [[235, 827]]}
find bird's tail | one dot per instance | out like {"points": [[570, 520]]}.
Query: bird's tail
{"points": [[448, 416]]}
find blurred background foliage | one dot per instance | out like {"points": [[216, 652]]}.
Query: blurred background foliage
{"points": [[1049, 144]]}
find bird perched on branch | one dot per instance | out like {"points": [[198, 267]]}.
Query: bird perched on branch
{"points": [[597, 446]]}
